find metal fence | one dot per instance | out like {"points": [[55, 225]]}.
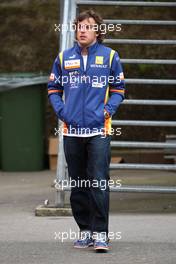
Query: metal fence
{"points": [[69, 11]]}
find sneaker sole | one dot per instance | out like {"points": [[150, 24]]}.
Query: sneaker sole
{"points": [[90, 245], [101, 248]]}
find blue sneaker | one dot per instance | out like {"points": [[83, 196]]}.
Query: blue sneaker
{"points": [[101, 243], [84, 241], [101, 246]]}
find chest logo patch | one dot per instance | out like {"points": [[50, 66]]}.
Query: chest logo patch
{"points": [[99, 60], [72, 64]]}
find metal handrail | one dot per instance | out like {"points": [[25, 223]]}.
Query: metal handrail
{"points": [[141, 41], [126, 3], [142, 144], [150, 81], [144, 123], [144, 189], [140, 22], [149, 102], [148, 61], [134, 189], [136, 166]]}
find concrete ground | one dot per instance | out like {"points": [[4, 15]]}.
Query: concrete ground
{"points": [[145, 222]]}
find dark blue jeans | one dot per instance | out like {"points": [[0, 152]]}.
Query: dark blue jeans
{"points": [[88, 162]]}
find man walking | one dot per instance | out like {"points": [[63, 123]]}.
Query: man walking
{"points": [[91, 77]]}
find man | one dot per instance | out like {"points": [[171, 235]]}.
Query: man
{"points": [[90, 99]]}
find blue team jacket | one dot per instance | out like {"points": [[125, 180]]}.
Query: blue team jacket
{"points": [[87, 93]]}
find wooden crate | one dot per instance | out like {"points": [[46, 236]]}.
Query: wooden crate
{"points": [[53, 152]]}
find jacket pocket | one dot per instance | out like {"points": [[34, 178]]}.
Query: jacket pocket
{"points": [[95, 118]]}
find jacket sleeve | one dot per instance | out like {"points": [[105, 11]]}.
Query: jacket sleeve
{"points": [[116, 86], [55, 89]]}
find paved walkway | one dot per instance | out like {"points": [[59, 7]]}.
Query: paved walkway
{"points": [[26, 239]]}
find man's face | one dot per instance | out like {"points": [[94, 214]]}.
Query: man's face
{"points": [[86, 33]]}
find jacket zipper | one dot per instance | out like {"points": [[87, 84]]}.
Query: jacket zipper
{"points": [[83, 101]]}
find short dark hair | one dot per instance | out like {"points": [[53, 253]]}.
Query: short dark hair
{"points": [[98, 19]]}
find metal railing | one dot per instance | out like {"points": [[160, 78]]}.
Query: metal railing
{"points": [[149, 61], [144, 123], [149, 102], [141, 41], [140, 22], [69, 12], [126, 3]]}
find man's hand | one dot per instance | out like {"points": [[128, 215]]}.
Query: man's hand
{"points": [[106, 114]]}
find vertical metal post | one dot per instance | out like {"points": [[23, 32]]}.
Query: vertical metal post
{"points": [[61, 166], [72, 17], [66, 40]]}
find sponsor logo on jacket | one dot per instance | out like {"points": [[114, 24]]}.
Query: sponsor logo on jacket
{"points": [[72, 64]]}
